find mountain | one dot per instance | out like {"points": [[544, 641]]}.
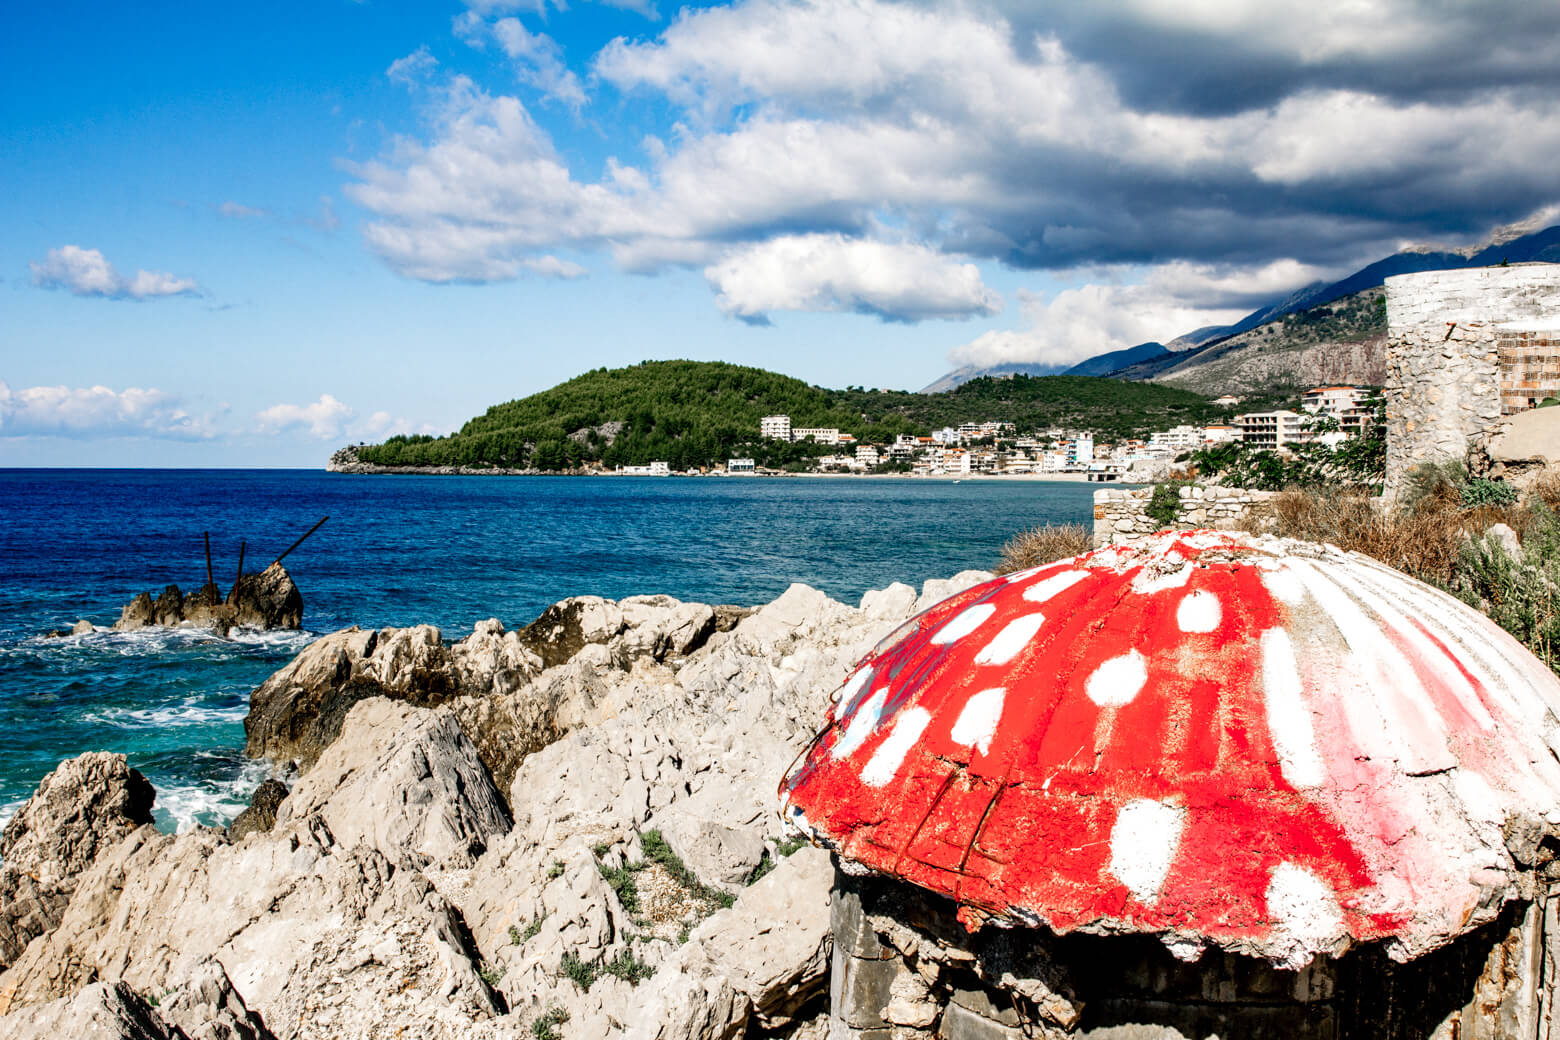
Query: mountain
{"points": [[694, 413], [1509, 245], [959, 376], [1104, 364]]}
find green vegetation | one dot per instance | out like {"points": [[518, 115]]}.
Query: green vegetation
{"points": [[584, 973], [1359, 462], [1164, 505], [543, 1026], [621, 881], [658, 851], [533, 929], [695, 413], [492, 974]]}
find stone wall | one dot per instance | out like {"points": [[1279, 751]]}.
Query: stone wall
{"points": [[1448, 375], [905, 969], [1120, 514]]}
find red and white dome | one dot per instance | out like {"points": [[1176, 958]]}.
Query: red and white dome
{"points": [[1269, 745]]}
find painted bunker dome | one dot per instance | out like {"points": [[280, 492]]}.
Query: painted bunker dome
{"points": [[1265, 745]]}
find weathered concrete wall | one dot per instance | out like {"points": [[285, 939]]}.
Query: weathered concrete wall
{"points": [[1119, 514], [1446, 381], [904, 968]]}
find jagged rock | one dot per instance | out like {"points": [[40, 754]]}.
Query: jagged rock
{"points": [[85, 805], [267, 600], [405, 781], [169, 607], [102, 1011], [138, 613], [81, 628], [206, 1007], [261, 814]]}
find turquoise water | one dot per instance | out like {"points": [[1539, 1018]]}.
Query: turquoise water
{"points": [[397, 551]]}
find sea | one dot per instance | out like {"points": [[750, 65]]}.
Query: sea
{"points": [[402, 550]]}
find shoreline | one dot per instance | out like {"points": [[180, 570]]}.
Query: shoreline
{"points": [[365, 470]]}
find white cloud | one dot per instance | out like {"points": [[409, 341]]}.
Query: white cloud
{"points": [[1171, 300], [413, 68], [97, 411], [1023, 141], [539, 61], [85, 272], [324, 419], [239, 210], [905, 282]]}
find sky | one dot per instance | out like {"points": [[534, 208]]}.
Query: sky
{"points": [[235, 236]]}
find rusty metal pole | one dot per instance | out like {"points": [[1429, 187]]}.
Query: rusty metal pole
{"points": [[239, 576], [299, 542], [211, 585]]}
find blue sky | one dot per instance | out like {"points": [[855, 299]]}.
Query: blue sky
{"points": [[243, 236]]}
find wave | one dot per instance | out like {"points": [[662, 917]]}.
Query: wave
{"points": [[211, 802], [148, 642], [192, 711]]}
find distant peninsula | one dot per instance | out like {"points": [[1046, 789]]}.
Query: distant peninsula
{"points": [[694, 414]]}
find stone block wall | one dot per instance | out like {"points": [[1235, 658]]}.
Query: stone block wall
{"points": [[1120, 514], [1448, 380]]}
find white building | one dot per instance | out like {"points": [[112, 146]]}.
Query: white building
{"points": [[1177, 438], [1082, 451], [837, 462], [1332, 400], [1272, 429], [655, 469], [818, 434], [775, 427], [741, 466], [946, 435], [1227, 401], [1220, 434], [867, 456]]}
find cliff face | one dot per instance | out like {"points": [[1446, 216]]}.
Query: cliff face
{"points": [[562, 831]]}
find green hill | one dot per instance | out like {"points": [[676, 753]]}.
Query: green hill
{"points": [[693, 413]]}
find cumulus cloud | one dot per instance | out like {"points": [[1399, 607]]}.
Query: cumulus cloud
{"points": [[905, 282], [97, 411], [86, 272], [324, 419], [1109, 313], [537, 57], [1037, 136]]}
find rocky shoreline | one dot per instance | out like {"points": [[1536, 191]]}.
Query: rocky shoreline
{"points": [[566, 830]]}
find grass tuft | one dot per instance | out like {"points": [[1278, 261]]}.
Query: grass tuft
{"points": [[1044, 544]]}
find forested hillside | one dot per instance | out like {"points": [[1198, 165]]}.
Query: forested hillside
{"points": [[693, 413]]}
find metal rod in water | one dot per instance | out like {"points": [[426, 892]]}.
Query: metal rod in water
{"points": [[299, 542]]}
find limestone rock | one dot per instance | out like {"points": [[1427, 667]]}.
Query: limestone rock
{"points": [[207, 1008], [1529, 436], [87, 804], [169, 608], [138, 613], [81, 628], [102, 1011], [404, 781], [260, 816], [267, 600]]}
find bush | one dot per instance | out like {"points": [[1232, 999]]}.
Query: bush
{"points": [[1044, 544], [1164, 505], [1483, 492]]}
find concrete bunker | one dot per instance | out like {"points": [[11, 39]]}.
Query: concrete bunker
{"points": [[1206, 785], [1466, 349]]}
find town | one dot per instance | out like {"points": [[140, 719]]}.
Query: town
{"points": [[1328, 415]]}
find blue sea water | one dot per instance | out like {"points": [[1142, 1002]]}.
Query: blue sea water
{"points": [[404, 550]]}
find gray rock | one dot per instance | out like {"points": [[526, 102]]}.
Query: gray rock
{"points": [[206, 1007], [168, 609], [1530, 436], [85, 805], [268, 600], [81, 628], [260, 816], [138, 613], [102, 1011]]}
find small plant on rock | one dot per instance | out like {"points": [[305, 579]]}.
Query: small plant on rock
{"points": [[1164, 505], [543, 1026], [580, 972]]}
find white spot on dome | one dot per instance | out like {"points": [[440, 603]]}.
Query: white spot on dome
{"points": [[964, 624], [1151, 579], [1015, 635], [860, 726], [1199, 612], [1045, 588], [1118, 680], [1143, 844], [853, 685], [977, 723], [1285, 585], [1305, 907], [890, 755], [1289, 718]]}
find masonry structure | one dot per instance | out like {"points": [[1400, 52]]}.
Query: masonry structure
{"points": [[1121, 514], [1465, 348]]}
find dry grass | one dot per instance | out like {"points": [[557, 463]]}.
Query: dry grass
{"points": [[1044, 544], [1422, 537]]}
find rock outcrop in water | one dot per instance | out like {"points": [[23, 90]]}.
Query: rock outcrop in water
{"points": [[564, 831], [267, 600]]}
